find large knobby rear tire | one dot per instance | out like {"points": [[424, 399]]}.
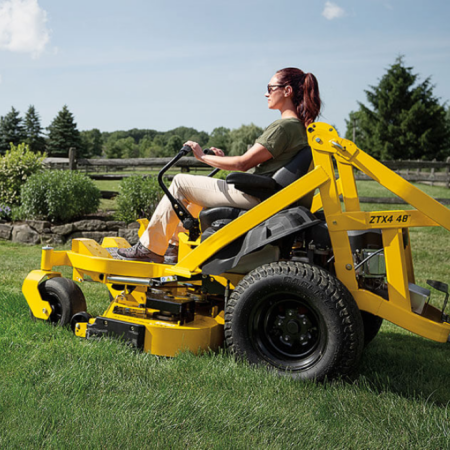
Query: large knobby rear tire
{"points": [[296, 318], [65, 297]]}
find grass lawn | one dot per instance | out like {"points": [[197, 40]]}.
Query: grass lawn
{"points": [[58, 391]]}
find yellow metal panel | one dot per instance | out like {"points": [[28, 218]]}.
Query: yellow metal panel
{"points": [[41, 309], [348, 187], [118, 242], [89, 247], [396, 271], [362, 220]]}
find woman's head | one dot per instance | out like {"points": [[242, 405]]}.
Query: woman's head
{"points": [[302, 89]]}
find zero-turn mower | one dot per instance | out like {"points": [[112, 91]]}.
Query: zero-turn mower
{"points": [[298, 283]]}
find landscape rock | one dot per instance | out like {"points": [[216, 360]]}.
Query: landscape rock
{"points": [[134, 225], [25, 234], [89, 225], [54, 239], [63, 229], [5, 231], [41, 226], [115, 225], [131, 235]]}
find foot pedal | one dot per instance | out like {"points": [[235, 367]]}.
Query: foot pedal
{"points": [[442, 287]]}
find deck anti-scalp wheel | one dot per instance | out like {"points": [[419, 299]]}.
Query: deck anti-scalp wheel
{"points": [[296, 318], [65, 298]]}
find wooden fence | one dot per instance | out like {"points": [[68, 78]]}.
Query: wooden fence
{"points": [[429, 172]]}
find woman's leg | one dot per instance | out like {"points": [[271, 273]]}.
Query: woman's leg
{"points": [[196, 192]]}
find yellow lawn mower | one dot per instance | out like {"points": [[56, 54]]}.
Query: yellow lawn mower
{"points": [[300, 283]]}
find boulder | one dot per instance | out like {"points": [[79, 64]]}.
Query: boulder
{"points": [[89, 225], [41, 226], [25, 234], [115, 225], [5, 231], [63, 229], [131, 235]]}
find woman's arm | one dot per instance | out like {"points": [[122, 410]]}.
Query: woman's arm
{"points": [[251, 158]]}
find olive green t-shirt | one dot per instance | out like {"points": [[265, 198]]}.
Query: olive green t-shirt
{"points": [[283, 138]]}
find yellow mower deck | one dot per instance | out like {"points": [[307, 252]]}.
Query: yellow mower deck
{"points": [[130, 310]]}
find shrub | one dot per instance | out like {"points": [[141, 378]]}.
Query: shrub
{"points": [[59, 196], [16, 166], [138, 197], [5, 212]]}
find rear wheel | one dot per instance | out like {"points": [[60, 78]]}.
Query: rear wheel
{"points": [[65, 297], [296, 318]]}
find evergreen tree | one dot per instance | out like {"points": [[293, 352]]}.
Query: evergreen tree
{"points": [[63, 134], [11, 131], [33, 130], [406, 120]]}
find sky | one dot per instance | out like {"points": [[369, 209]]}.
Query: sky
{"points": [[157, 64]]}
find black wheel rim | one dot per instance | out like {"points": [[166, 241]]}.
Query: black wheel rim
{"points": [[287, 331], [57, 310]]}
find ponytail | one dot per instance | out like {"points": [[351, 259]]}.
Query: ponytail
{"points": [[306, 96]]}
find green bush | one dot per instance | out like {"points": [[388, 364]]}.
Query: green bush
{"points": [[138, 197], [16, 166], [59, 196]]}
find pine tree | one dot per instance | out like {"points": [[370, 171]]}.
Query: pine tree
{"points": [[11, 130], [63, 134], [406, 120], [33, 130]]}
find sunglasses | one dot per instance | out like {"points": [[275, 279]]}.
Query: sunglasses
{"points": [[273, 87]]}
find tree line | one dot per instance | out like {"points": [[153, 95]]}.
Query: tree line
{"points": [[63, 134], [404, 120]]}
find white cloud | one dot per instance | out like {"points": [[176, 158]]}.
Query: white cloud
{"points": [[332, 11], [23, 27]]}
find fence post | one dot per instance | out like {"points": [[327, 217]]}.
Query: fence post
{"points": [[432, 173], [72, 158]]}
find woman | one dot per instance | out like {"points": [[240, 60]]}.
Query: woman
{"points": [[290, 91]]}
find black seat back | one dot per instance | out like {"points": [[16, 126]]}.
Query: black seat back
{"points": [[297, 167]]}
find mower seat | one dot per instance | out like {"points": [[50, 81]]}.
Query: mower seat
{"points": [[261, 187]]}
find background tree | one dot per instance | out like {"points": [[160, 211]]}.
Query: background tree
{"points": [[406, 120], [173, 145], [63, 134], [92, 141], [33, 131], [220, 138], [242, 137], [11, 130]]}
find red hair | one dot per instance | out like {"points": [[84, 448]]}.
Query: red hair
{"points": [[305, 89]]}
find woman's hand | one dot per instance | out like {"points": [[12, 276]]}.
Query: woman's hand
{"points": [[198, 152], [196, 149], [217, 151]]}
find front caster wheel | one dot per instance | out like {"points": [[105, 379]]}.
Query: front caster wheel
{"points": [[296, 318], [65, 298]]}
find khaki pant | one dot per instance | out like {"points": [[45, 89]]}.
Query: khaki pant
{"points": [[196, 192]]}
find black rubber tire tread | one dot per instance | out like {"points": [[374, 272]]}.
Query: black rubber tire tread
{"points": [[342, 318], [372, 325], [65, 297]]}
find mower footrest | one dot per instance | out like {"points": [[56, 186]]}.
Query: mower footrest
{"points": [[130, 332]]}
